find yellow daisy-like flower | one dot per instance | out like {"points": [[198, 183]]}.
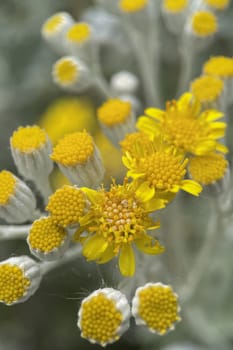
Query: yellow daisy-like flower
{"points": [[208, 169], [184, 126], [118, 219], [159, 170]]}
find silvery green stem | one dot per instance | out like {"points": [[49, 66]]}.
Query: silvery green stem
{"points": [[14, 231], [70, 255]]}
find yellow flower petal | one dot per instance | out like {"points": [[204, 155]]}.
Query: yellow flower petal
{"points": [[148, 126], [149, 246], [155, 204], [94, 247], [211, 115], [189, 103], [92, 195], [108, 254], [191, 186], [144, 192], [155, 113], [221, 148], [127, 260]]}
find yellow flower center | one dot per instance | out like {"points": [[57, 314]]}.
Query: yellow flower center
{"points": [[183, 133], [131, 140], [163, 170], [73, 149], [45, 236], [13, 284], [114, 112], [53, 23], [132, 5], [207, 88], [7, 186], [175, 5], [79, 33], [208, 169], [119, 217], [219, 66], [28, 139], [66, 206], [100, 319], [158, 307], [218, 4], [204, 23], [66, 71]]}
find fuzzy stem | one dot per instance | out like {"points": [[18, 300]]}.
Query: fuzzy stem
{"points": [[14, 231]]}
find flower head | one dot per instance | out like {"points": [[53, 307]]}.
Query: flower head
{"points": [[217, 4], [46, 240], [183, 126], [131, 6], [118, 219], [155, 305], [175, 6], [204, 23], [208, 169], [207, 88], [17, 202], [104, 316], [28, 139], [79, 159], [79, 33], [19, 278], [66, 206], [159, 169], [219, 66]]}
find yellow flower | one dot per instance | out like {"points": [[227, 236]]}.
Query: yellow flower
{"points": [[184, 126], [118, 219], [159, 170], [208, 169]]}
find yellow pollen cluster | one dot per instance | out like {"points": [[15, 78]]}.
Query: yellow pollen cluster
{"points": [[132, 5], [175, 5], [120, 217], [131, 140], [13, 284], [163, 170], [66, 71], [219, 66], [183, 133], [66, 206], [73, 149], [52, 24], [114, 112], [207, 88], [79, 32], [7, 186], [218, 4], [28, 139], [100, 319], [208, 169], [204, 23], [45, 235], [158, 308]]}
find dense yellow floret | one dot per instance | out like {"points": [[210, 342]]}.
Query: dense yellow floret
{"points": [[158, 308], [53, 23], [114, 112], [207, 88], [7, 186], [28, 139], [100, 319], [175, 5], [66, 71], [208, 169], [45, 236], [13, 283], [220, 66], [79, 32], [66, 205], [204, 23], [73, 149], [132, 5], [218, 4]]}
